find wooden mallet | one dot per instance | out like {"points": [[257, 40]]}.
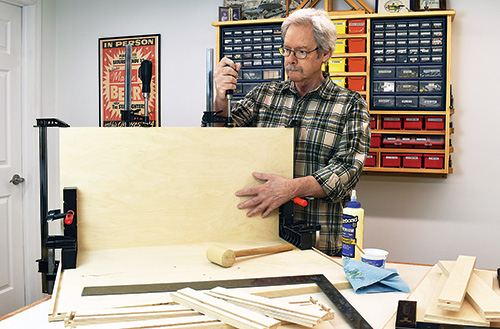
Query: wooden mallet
{"points": [[225, 257]]}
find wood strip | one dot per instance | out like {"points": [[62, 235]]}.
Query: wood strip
{"points": [[466, 316], [80, 318], [223, 311], [484, 300], [299, 289], [309, 317], [453, 293], [53, 314], [193, 322], [365, 6]]}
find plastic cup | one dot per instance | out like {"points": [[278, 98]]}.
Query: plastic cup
{"points": [[375, 257]]}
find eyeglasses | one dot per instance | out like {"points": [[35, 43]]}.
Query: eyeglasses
{"points": [[300, 54]]}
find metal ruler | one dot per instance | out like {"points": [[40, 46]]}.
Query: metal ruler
{"points": [[350, 314]]}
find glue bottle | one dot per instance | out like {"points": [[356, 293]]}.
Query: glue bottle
{"points": [[352, 228]]}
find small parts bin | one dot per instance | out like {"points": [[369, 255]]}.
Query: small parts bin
{"points": [[341, 26], [405, 141], [432, 142], [357, 45], [356, 83], [391, 141], [434, 161], [337, 65], [371, 160], [391, 160], [376, 140], [412, 160], [356, 26], [391, 122], [356, 64], [373, 121], [434, 122], [414, 122], [340, 81], [340, 46]]}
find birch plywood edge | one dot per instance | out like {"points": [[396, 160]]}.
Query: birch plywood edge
{"points": [[149, 187]]}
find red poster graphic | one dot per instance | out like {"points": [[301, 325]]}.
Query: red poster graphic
{"points": [[112, 78]]}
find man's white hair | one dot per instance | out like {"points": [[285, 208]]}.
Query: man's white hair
{"points": [[324, 31]]}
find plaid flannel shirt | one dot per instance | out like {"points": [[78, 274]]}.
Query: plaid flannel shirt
{"points": [[332, 139]]}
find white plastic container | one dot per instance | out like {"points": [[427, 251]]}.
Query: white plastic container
{"points": [[353, 219], [375, 257]]}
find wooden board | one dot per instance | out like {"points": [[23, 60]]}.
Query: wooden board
{"points": [[467, 315], [481, 296], [453, 293], [142, 187]]}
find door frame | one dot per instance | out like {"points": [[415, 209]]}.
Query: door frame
{"points": [[31, 82], [32, 109]]}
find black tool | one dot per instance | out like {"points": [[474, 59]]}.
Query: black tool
{"points": [[299, 233], [145, 73], [130, 116], [229, 97], [349, 313], [498, 277], [47, 264]]}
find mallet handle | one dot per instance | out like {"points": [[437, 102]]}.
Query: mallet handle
{"points": [[263, 250]]}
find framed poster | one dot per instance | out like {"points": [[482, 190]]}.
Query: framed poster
{"points": [[392, 6], [429, 5], [112, 78]]}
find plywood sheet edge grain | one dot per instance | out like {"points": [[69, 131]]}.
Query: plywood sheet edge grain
{"points": [[161, 186]]}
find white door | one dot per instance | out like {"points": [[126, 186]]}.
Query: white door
{"points": [[11, 225]]}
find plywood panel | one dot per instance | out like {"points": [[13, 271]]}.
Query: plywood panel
{"points": [[163, 186]]}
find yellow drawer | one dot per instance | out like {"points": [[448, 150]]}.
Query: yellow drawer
{"points": [[337, 64], [339, 81], [340, 46], [341, 26]]}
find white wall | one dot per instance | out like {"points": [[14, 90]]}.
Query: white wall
{"points": [[417, 219]]}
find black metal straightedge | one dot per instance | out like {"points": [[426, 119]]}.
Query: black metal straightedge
{"points": [[350, 314]]}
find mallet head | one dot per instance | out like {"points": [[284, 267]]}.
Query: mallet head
{"points": [[221, 256]]}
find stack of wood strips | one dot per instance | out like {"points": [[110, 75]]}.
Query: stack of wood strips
{"points": [[275, 309], [462, 296]]}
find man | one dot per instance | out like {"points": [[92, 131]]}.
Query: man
{"points": [[333, 130]]}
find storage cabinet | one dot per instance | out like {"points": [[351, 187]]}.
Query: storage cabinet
{"points": [[400, 63]]}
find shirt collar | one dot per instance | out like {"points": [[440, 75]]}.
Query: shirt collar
{"points": [[321, 90]]}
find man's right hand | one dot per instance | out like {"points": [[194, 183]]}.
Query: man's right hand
{"points": [[225, 78]]}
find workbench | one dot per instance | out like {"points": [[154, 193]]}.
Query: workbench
{"points": [[377, 309]]}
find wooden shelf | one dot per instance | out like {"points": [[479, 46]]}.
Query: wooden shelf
{"points": [[408, 132], [389, 170], [405, 150], [345, 55], [348, 74], [388, 112], [352, 36]]}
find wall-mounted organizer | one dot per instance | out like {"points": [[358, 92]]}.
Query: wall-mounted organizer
{"points": [[400, 63], [256, 48]]}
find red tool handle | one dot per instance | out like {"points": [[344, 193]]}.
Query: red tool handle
{"points": [[300, 202], [68, 220]]}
